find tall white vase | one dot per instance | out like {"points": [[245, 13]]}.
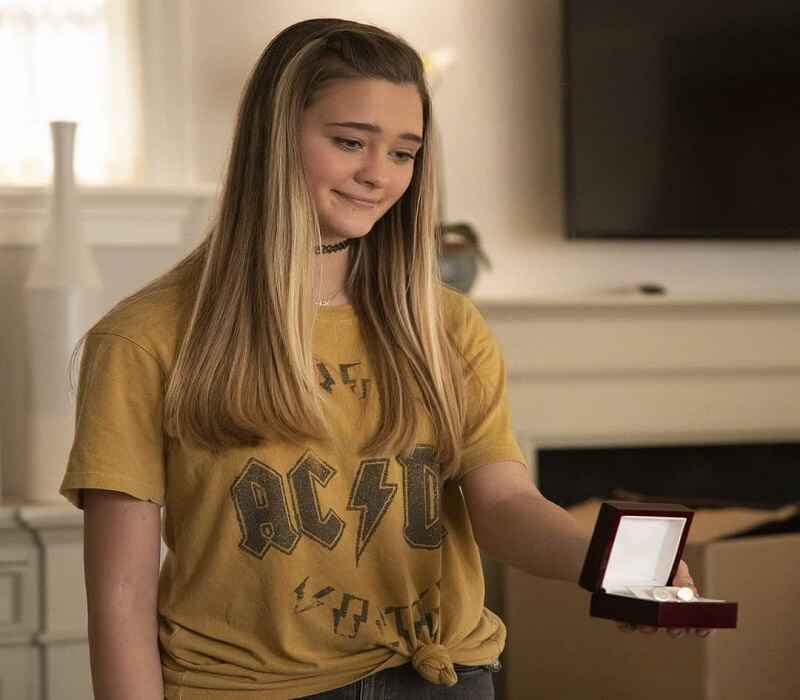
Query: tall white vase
{"points": [[63, 297]]}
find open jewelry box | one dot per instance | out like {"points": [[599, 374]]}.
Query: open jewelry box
{"points": [[633, 555]]}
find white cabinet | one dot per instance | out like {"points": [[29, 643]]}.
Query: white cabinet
{"points": [[44, 652]]}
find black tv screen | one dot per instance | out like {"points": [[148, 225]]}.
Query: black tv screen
{"points": [[682, 119]]}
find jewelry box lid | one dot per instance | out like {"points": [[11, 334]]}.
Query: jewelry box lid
{"points": [[635, 544]]}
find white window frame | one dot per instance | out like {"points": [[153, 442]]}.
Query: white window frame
{"points": [[165, 47], [168, 206]]}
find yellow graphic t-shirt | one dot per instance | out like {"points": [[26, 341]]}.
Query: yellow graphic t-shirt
{"points": [[293, 569]]}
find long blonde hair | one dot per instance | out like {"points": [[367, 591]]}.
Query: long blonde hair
{"points": [[244, 367]]}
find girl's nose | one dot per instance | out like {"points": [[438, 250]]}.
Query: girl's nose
{"points": [[374, 170]]}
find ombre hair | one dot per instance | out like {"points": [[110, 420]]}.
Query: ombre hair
{"points": [[245, 369]]}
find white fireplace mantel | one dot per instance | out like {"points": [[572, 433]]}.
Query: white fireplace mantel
{"points": [[640, 370]]}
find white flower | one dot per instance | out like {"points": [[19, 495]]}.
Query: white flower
{"points": [[436, 64]]}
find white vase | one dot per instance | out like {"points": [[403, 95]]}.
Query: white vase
{"points": [[62, 298]]}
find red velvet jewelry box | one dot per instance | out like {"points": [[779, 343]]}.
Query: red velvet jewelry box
{"points": [[635, 549]]}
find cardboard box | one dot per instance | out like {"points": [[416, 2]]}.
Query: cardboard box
{"points": [[556, 650]]}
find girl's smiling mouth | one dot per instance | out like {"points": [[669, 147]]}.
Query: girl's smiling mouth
{"points": [[357, 202]]}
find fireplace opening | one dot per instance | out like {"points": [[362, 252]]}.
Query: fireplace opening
{"points": [[757, 475]]}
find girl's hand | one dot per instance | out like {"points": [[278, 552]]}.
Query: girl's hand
{"points": [[681, 578]]}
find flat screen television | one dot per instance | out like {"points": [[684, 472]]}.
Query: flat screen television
{"points": [[682, 118]]}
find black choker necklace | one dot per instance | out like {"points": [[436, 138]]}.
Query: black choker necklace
{"points": [[333, 248]]}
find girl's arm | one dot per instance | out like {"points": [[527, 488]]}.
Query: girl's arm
{"points": [[514, 523], [122, 552]]}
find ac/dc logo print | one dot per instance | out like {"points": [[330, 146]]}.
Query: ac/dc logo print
{"points": [[274, 514], [347, 376], [351, 613]]}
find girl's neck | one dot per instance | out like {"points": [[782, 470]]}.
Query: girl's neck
{"points": [[331, 274]]}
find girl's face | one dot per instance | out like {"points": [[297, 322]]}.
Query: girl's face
{"points": [[358, 140]]}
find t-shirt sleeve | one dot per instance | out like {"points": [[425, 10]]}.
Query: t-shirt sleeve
{"points": [[488, 436], [118, 443]]}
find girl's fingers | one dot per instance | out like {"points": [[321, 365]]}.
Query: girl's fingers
{"points": [[684, 578], [628, 627]]}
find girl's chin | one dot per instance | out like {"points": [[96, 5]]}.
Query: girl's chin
{"points": [[349, 232]]}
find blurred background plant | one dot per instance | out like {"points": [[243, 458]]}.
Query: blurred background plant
{"points": [[460, 256]]}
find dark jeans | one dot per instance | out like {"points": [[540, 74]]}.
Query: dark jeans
{"points": [[403, 682]]}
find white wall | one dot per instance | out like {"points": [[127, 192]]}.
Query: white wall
{"points": [[499, 113]]}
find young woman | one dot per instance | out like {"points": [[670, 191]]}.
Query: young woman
{"points": [[323, 421]]}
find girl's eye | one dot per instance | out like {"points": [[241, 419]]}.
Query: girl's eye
{"points": [[351, 145], [346, 142]]}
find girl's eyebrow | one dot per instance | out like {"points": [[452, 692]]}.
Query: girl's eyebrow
{"points": [[375, 129]]}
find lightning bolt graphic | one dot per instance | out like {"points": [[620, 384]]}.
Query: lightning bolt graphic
{"points": [[299, 592], [372, 496]]}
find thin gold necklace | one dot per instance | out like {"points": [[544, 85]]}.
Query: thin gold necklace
{"points": [[325, 302]]}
